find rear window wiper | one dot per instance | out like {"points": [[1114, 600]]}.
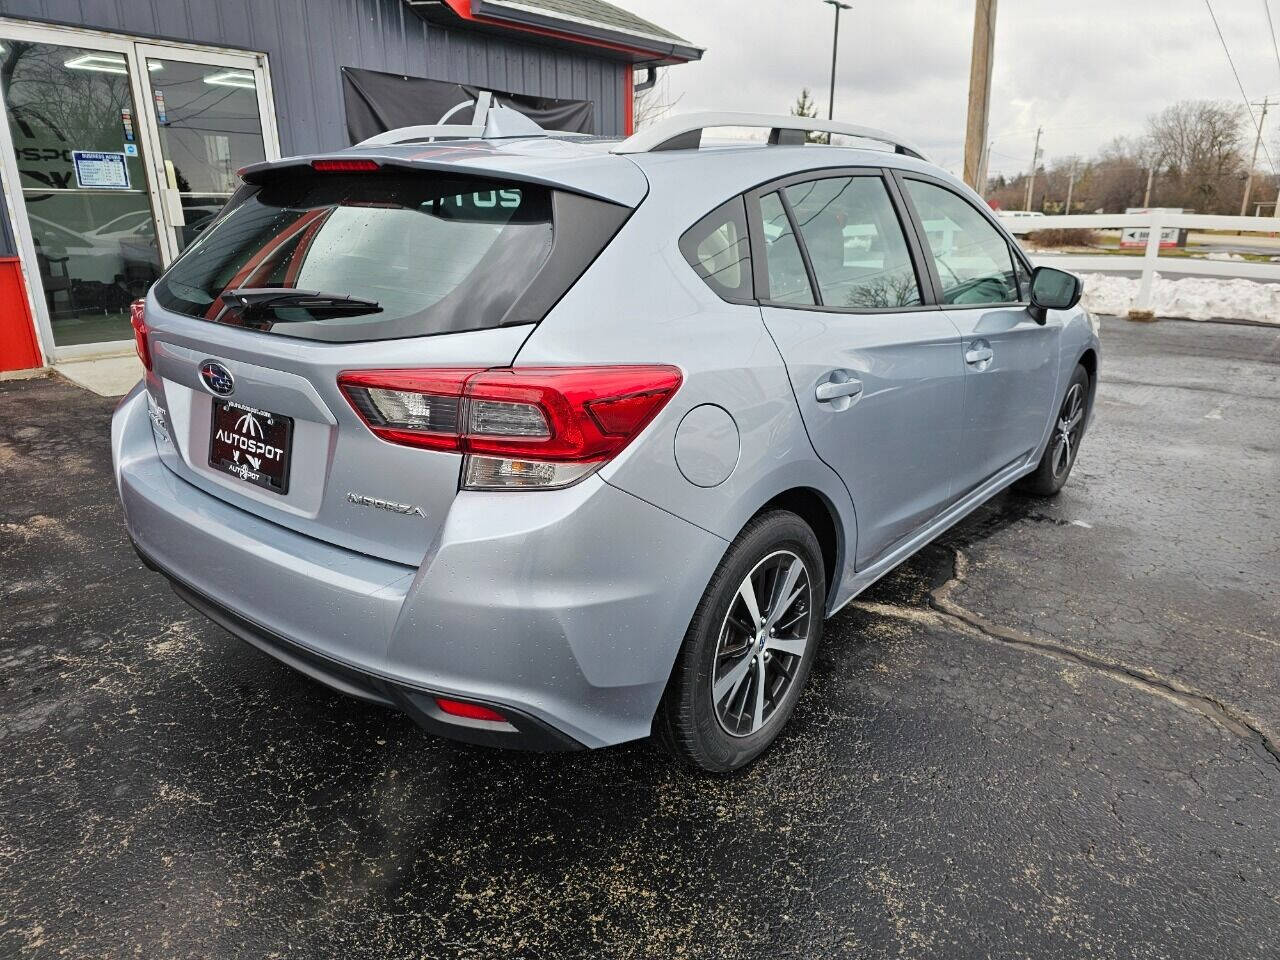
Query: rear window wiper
{"points": [[253, 300]]}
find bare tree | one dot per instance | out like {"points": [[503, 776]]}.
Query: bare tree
{"points": [[1198, 147], [651, 105], [1193, 154], [1117, 177]]}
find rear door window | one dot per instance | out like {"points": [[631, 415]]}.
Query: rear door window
{"points": [[411, 253], [855, 243], [788, 279]]}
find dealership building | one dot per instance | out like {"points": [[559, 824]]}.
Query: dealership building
{"points": [[126, 120]]}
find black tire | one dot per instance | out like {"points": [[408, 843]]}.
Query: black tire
{"points": [[688, 723], [1056, 463]]}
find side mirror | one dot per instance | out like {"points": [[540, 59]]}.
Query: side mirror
{"points": [[1053, 289]]}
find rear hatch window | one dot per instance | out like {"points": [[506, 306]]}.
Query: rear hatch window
{"points": [[368, 256]]}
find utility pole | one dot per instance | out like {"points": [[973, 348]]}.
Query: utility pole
{"points": [[1071, 185], [1257, 142], [835, 45], [1151, 175], [980, 63], [1035, 159], [981, 185]]}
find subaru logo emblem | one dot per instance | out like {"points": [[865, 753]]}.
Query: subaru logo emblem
{"points": [[217, 378]]}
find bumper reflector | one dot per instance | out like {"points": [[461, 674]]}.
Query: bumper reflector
{"points": [[469, 711]]}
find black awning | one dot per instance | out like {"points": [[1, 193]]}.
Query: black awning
{"points": [[376, 102]]}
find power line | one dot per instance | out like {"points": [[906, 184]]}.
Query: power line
{"points": [[1266, 5], [1247, 105]]}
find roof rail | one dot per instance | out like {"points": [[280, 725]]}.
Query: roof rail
{"points": [[490, 121], [684, 132]]}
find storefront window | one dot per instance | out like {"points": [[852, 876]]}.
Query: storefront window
{"points": [[80, 164]]}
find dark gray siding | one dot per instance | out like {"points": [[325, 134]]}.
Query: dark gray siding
{"points": [[306, 41]]}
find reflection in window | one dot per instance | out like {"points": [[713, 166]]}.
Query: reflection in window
{"points": [[209, 124], [95, 246], [788, 280], [972, 258], [855, 243], [719, 251], [1024, 279], [435, 254]]}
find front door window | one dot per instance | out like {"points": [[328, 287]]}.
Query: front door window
{"points": [[81, 173], [974, 263]]}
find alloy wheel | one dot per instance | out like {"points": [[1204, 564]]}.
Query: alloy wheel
{"points": [[762, 641], [1067, 430]]}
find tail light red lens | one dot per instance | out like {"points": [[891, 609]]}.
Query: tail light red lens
{"points": [[137, 320], [345, 166], [520, 427], [569, 399]]}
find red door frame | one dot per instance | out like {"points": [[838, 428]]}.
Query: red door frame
{"points": [[19, 343]]}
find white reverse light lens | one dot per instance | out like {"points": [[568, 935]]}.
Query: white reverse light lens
{"points": [[415, 411], [499, 418], [503, 473]]}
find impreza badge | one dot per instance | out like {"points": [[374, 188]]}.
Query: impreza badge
{"points": [[408, 509]]}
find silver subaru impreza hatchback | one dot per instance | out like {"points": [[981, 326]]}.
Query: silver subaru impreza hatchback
{"points": [[553, 442]]}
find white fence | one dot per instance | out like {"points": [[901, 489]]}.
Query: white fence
{"points": [[1151, 261]]}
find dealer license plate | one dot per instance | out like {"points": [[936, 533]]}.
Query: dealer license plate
{"points": [[251, 444]]}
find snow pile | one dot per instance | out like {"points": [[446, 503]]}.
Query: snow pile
{"points": [[1191, 298]]}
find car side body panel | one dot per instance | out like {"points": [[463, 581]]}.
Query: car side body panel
{"points": [[662, 312]]}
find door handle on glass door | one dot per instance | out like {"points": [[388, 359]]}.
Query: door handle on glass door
{"points": [[978, 355]]}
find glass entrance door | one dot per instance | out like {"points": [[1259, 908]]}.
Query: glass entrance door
{"points": [[207, 112], [80, 172], [116, 153]]}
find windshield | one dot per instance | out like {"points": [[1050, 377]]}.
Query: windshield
{"points": [[433, 254]]}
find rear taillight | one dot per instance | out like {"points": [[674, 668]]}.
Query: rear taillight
{"points": [[138, 321], [534, 427]]}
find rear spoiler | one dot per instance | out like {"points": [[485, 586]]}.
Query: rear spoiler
{"points": [[599, 176]]}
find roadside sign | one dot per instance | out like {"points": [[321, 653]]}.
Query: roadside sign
{"points": [[1137, 236]]}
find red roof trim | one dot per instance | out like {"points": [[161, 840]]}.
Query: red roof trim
{"points": [[463, 9]]}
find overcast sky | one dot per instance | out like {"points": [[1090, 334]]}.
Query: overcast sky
{"points": [[1087, 70]]}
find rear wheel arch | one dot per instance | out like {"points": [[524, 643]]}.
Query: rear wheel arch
{"points": [[811, 506]]}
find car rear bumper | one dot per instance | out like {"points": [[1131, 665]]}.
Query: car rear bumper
{"points": [[564, 609]]}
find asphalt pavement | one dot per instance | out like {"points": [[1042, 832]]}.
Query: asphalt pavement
{"points": [[1054, 733]]}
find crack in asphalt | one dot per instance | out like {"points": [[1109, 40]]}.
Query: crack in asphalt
{"points": [[944, 608], [1184, 385]]}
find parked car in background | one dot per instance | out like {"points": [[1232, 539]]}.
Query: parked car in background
{"points": [[558, 443]]}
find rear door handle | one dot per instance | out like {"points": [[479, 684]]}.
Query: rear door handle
{"points": [[840, 384], [978, 355]]}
